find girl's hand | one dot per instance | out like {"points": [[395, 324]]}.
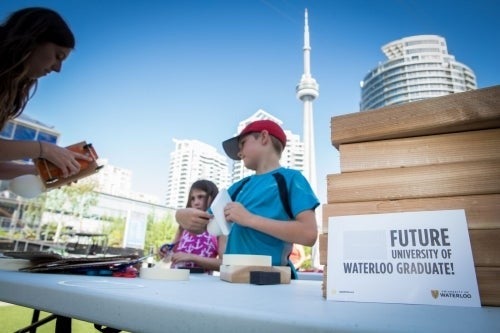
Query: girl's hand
{"points": [[181, 256]]}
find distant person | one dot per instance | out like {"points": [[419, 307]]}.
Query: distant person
{"points": [[33, 43], [203, 251], [262, 225]]}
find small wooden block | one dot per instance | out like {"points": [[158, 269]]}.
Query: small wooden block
{"points": [[159, 273], [241, 274], [246, 260]]}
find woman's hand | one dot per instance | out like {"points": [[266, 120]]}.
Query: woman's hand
{"points": [[193, 219], [63, 158]]}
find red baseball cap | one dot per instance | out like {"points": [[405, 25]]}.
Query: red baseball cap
{"points": [[231, 146]]}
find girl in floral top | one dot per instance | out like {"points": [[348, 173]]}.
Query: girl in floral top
{"points": [[197, 251]]}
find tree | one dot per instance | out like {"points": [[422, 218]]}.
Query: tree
{"points": [[75, 200], [33, 213], [114, 227], [159, 232]]}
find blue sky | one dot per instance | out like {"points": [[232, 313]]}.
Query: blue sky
{"points": [[145, 72]]}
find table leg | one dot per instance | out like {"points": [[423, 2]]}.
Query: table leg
{"points": [[34, 319], [63, 324], [104, 329], [33, 326]]}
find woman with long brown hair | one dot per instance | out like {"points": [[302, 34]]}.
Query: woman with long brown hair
{"points": [[33, 43]]}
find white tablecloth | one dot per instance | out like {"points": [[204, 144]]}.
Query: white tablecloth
{"points": [[207, 304]]}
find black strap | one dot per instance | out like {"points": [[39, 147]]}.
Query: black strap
{"points": [[282, 188], [238, 189], [280, 179]]}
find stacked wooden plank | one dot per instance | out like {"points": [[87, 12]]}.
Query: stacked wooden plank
{"points": [[435, 154]]}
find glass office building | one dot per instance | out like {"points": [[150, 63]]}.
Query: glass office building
{"points": [[417, 67], [190, 161], [21, 128], [27, 128]]}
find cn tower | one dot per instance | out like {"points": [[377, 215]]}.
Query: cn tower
{"points": [[307, 91]]}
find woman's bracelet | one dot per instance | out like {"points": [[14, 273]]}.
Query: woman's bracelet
{"points": [[40, 149]]}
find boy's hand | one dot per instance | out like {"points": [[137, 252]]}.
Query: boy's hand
{"points": [[237, 213], [192, 219]]}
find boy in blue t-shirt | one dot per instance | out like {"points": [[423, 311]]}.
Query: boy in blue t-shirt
{"points": [[261, 224]]}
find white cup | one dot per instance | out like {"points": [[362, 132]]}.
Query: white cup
{"points": [[213, 228], [27, 186]]}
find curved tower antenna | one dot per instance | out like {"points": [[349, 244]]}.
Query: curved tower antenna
{"points": [[307, 91]]}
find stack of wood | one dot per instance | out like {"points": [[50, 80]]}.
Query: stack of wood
{"points": [[434, 154]]}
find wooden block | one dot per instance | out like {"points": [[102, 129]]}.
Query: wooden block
{"points": [[488, 279], [441, 180], [423, 150], [323, 284], [323, 248], [466, 111], [246, 260], [481, 211], [241, 274], [485, 245], [163, 273]]}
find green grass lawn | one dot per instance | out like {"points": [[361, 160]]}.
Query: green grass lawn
{"points": [[15, 317]]}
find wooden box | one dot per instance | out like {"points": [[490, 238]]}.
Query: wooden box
{"points": [[435, 154]]}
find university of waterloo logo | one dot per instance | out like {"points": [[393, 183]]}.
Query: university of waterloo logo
{"points": [[435, 293]]}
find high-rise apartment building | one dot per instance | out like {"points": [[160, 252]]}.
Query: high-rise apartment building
{"points": [[192, 160], [292, 157], [112, 180], [418, 67]]}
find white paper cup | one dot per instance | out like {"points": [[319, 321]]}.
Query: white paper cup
{"points": [[27, 186], [213, 228]]}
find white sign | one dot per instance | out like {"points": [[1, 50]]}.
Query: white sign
{"points": [[413, 257]]}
